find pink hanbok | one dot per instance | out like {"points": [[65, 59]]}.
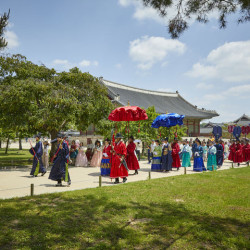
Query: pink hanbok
{"points": [[81, 159], [97, 157]]}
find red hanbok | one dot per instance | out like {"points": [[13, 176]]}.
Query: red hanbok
{"points": [[117, 169], [238, 153], [232, 149], [175, 155], [246, 150], [132, 161]]}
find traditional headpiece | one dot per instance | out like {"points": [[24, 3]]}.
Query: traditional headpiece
{"points": [[118, 136]]}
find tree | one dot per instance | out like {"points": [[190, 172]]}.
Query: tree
{"points": [[3, 24], [40, 99], [200, 10]]}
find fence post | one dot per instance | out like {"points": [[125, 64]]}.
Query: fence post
{"points": [[185, 170], [149, 175], [232, 165], [100, 180], [213, 167], [31, 189]]}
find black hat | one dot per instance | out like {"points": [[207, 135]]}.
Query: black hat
{"points": [[157, 141], [165, 139], [132, 137], [107, 139], [118, 136], [38, 135], [60, 135], [176, 138]]}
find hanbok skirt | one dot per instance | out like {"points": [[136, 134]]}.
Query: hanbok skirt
{"points": [[211, 161], [59, 171], [166, 162], [186, 159], [199, 164], [81, 160], [105, 167], [36, 169], [219, 159], [96, 159], [156, 164]]}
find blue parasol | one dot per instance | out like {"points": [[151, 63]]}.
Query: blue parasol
{"points": [[168, 120]]}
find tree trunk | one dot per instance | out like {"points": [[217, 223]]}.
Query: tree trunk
{"points": [[20, 144], [53, 145], [0, 143], [143, 147], [7, 145]]}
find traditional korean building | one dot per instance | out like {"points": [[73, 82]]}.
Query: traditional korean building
{"points": [[244, 120], [164, 102]]}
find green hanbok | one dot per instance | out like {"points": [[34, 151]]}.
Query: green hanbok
{"points": [[186, 156], [211, 160]]}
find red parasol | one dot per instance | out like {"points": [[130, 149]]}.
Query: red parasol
{"points": [[128, 113]]}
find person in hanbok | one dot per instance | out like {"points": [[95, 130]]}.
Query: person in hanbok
{"points": [[166, 156], [131, 158], [198, 156], [175, 154], [156, 161], [45, 157], [243, 150], [73, 152], [106, 157], [219, 153], [81, 159], [59, 171], [37, 152], [232, 150], [226, 151], [238, 153], [211, 159], [97, 156], [186, 155], [204, 147], [152, 146], [118, 168], [247, 151]]}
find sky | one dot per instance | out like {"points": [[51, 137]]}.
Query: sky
{"points": [[125, 42]]}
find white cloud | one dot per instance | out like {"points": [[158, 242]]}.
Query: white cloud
{"points": [[86, 63], [118, 65], [65, 64], [11, 38], [205, 86], [242, 91], [147, 51], [148, 13], [229, 62]]}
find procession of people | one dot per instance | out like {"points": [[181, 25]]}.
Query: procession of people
{"points": [[116, 160]]}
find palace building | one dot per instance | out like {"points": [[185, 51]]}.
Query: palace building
{"points": [[164, 102]]}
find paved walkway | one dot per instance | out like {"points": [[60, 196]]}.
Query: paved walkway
{"points": [[17, 182]]}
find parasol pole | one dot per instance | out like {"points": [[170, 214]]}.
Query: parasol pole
{"points": [[128, 121]]}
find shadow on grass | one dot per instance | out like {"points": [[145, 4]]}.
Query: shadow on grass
{"points": [[85, 221]]}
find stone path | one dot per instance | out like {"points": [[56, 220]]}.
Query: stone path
{"points": [[17, 182]]}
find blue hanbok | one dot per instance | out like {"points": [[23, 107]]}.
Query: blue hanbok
{"points": [[219, 154], [211, 159], [198, 159], [59, 170], [156, 161], [37, 168], [186, 156], [166, 158]]}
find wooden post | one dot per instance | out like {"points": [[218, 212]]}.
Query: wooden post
{"points": [[213, 167], [31, 189], [100, 180], [149, 175], [232, 165], [185, 170]]}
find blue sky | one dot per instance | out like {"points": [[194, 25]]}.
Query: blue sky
{"points": [[127, 43]]}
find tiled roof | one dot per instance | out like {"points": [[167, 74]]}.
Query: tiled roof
{"points": [[162, 101]]}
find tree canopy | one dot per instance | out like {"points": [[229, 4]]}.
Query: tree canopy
{"points": [[3, 24], [36, 98], [184, 10]]}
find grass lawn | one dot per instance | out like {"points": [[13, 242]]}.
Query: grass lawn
{"points": [[202, 211], [15, 156]]}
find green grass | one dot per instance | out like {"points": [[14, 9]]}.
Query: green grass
{"points": [[202, 211], [15, 156]]}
